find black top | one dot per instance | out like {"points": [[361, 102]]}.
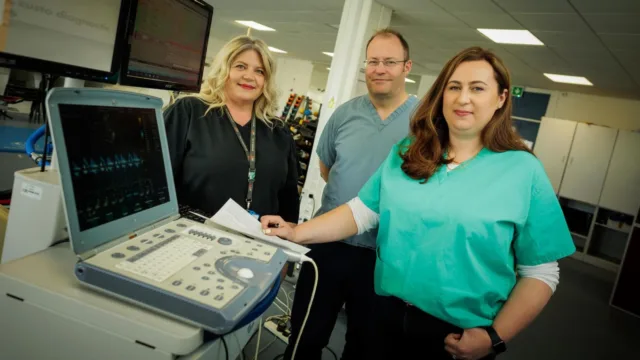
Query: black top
{"points": [[210, 165]]}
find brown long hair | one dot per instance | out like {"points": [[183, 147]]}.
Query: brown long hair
{"points": [[429, 131]]}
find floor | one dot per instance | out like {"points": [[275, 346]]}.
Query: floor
{"points": [[577, 324]]}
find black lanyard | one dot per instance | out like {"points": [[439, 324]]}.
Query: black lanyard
{"points": [[251, 153]]}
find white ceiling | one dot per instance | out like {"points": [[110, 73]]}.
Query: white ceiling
{"points": [[598, 39]]}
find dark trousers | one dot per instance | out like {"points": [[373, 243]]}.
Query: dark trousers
{"points": [[345, 277], [402, 331]]}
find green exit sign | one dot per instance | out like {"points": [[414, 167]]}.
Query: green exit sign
{"points": [[517, 91]]}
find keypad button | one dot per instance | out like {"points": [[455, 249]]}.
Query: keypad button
{"points": [[247, 242], [235, 251], [219, 297], [181, 225], [235, 287], [156, 235], [205, 278], [250, 253], [223, 252], [149, 242], [259, 245], [196, 268], [133, 248], [211, 272], [169, 231], [220, 280], [267, 253], [161, 237], [224, 241], [117, 255], [207, 265], [204, 292], [191, 287], [144, 241], [220, 287], [254, 249], [176, 283]]}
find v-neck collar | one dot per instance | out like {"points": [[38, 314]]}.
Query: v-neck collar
{"points": [[394, 115], [443, 174]]}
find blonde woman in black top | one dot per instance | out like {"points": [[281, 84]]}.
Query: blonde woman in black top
{"points": [[226, 142]]}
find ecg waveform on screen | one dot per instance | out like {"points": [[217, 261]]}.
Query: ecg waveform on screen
{"points": [[106, 165]]}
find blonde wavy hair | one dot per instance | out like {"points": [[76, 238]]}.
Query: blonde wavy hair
{"points": [[212, 89]]}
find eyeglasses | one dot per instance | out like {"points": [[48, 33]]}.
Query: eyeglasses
{"points": [[385, 63]]}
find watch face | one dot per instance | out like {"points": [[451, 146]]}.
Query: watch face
{"points": [[500, 347]]}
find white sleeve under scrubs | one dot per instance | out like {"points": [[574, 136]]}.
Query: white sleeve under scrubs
{"points": [[450, 246]]}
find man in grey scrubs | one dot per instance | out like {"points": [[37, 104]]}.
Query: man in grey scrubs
{"points": [[355, 141]]}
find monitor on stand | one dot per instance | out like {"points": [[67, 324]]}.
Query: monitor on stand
{"points": [[72, 38], [167, 44]]}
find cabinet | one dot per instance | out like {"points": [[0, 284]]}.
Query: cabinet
{"points": [[621, 189], [552, 147], [588, 163], [596, 174]]}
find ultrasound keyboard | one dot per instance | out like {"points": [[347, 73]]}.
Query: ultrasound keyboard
{"points": [[213, 270]]}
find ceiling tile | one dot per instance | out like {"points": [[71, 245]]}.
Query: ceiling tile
{"points": [[630, 42], [410, 5], [488, 21], [614, 23], [570, 40], [542, 59], [426, 19], [537, 6], [271, 16], [477, 6], [608, 6], [461, 34], [630, 61], [552, 22]]}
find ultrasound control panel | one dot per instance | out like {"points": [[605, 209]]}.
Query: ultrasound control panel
{"points": [[192, 261]]}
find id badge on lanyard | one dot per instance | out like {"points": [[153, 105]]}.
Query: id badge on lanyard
{"points": [[251, 157]]}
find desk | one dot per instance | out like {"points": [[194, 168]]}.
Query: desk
{"points": [[46, 314]]}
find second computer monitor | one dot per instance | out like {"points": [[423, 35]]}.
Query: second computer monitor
{"points": [[167, 44]]}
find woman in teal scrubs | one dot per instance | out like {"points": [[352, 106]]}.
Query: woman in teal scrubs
{"points": [[469, 227]]}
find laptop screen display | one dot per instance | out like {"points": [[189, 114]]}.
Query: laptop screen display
{"points": [[115, 159]]}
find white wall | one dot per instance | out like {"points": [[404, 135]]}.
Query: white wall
{"points": [[425, 84], [293, 76], [607, 111]]}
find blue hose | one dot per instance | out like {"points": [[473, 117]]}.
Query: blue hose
{"points": [[30, 144]]}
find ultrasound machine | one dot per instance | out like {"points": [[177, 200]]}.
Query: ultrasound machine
{"points": [[141, 281]]}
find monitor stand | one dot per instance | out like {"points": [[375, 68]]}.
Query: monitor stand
{"points": [[73, 83]]}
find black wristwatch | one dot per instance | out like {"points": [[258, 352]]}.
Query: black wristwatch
{"points": [[498, 345]]}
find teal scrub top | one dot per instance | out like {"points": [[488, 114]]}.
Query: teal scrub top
{"points": [[450, 246]]}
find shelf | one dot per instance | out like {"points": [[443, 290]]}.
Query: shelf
{"points": [[608, 244], [578, 215], [579, 241], [614, 228], [596, 261], [579, 235]]}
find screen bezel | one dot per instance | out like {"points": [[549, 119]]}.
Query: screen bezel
{"points": [[77, 72], [125, 79], [83, 241]]}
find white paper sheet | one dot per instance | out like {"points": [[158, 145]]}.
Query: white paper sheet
{"points": [[234, 217]]}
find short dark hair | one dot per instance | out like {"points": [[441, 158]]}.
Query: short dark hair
{"points": [[387, 32]]}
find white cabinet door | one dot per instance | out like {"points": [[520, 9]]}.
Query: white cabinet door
{"points": [[588, 162], [552, 147], [621, 190]]}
